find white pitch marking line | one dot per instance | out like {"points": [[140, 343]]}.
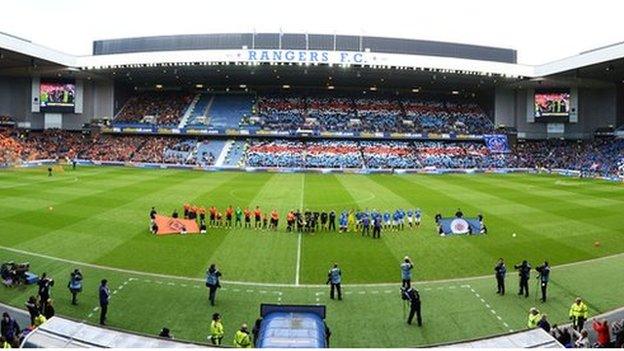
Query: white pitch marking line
{"points": [[282, 285]]}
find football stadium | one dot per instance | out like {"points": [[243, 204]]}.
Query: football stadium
{"points": [[295, 189]]}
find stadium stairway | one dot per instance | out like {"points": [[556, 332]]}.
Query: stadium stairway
{"points": [[226, 111], [198, 116], [214, 147], [189, 111], [181, 155], [224, 152], [235, 154]]}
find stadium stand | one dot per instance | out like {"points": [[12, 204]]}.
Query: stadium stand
{"points": [[198, 116], [227, 110], [600, 157], [208, 152], [160, 108], [368, 114], [235, 153]]}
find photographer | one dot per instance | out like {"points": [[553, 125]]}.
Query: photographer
{"points": [[543, 276], [412, 296], [334, 278], [406, 273], [212, 282], [524, 272], [45, 284], [75, 285]]}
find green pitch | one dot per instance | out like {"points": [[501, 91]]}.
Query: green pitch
{"points": [[97, 219]]}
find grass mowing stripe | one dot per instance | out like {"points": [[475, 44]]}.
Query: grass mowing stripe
{"points": [[298, 263], [262, 255]]}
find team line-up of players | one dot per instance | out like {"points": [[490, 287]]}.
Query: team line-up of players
{"points": [[306, 221]]}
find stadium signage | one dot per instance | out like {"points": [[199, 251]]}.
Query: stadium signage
{"points": [[307, 56]]}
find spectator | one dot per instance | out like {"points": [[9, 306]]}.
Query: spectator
{"points": [[603, 337], [582, 341], [48, 311], [165, 333], [33, 309], [543, 323], [9, 328]]}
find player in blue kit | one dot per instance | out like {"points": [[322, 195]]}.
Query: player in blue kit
{"points": [[417, 217], [343, 221], [387, 220], [410, 218], [396, 219]]}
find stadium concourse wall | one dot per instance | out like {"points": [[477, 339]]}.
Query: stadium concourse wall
{"points": [[592, 108], [426, 170], [17, 99]]}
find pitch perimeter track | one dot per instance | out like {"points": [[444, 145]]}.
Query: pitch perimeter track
{"points": [[277, 285]]}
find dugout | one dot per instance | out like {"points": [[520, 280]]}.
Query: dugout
{"points": [[64, 333], [292, 326]]}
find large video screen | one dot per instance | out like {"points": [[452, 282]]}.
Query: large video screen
{"points": [[552, 104], [54, 95]]}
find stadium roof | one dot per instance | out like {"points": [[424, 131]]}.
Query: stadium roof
{"points": [[20, 56]]}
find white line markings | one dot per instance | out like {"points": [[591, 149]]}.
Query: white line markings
{"points": [[487, 306], [281, 285]]}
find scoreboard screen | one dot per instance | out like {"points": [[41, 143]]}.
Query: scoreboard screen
{"points": [[552, 104], [57, 95]]}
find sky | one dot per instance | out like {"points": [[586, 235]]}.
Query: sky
{"points": [[541, 31]]}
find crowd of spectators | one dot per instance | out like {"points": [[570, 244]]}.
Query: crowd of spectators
{"points": [[370, 114], [447, 117], [6, 120], [375, 155], [601, 156], [160, 108]]}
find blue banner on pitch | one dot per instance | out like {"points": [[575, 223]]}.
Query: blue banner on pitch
{"points": [[460, 226]]}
